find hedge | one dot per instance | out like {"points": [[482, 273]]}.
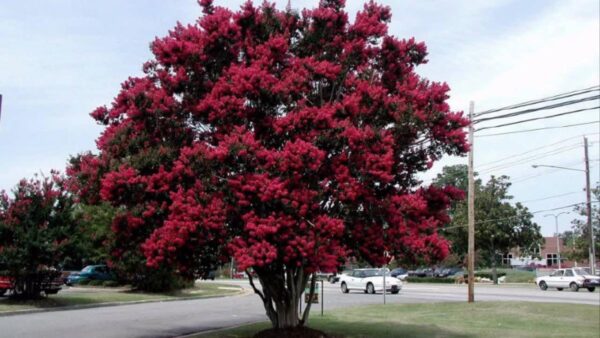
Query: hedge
{"points": [[444, 280]]}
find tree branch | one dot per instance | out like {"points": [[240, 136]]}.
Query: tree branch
{"points": [[310, 297], [251, 280]]}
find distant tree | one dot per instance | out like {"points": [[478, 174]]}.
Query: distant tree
{"points": [[579, 237], [36, 227], [499, 225], [93, 236]]}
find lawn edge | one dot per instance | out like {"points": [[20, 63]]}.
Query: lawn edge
{"points": [[242, 293]]}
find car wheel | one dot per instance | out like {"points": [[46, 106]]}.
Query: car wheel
{"points": [[2, 292], [559, 289], [543, 286], [395, 292], [370, 288], [345, 288], [574, 287], [591, 289]]}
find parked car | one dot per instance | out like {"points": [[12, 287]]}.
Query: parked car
{"points": [[209, 275], [421, 272], [446, 272], [369, 281], [573, 279], [399, 273], [91, 272], [46, 281]]}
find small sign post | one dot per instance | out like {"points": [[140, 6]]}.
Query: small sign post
{"points": [[315, 298]]}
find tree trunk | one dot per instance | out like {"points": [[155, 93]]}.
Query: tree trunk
{"points": [[281, 295]]}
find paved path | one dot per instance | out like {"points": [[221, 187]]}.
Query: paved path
{"points": [[176, 318]]}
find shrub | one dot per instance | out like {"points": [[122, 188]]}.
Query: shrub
{"points": [[110, 283], [443, 280], [84, 282], [96, 282]]}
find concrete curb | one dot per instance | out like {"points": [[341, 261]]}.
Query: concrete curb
{"points": [[243, 292]]}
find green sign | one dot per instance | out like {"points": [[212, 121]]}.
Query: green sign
{"points": [[315, 298]]}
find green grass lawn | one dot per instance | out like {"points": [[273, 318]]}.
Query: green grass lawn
{"points": [[91, 295], [481, 319]]}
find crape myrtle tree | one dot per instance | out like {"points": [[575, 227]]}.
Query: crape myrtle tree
{"points": [[36, 225], [288, 141]]}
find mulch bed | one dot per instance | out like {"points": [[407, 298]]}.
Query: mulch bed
{"points": [[300, 332]]}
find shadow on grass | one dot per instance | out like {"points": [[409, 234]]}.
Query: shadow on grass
{"points": [[373, 330], [344, 329]]}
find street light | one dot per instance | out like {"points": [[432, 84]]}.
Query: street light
{"points": [[592, 249], [557, 238], [553, 166]]}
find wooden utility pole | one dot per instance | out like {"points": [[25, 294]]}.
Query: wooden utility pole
{"points": [[592, 250], [471, 213]]}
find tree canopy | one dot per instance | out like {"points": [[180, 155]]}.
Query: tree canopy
{"points": [[499, 225], [578, 239], [36, 230], [288, 141]]}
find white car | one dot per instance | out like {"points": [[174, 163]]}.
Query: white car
{"points": [[573, 279], [369, 281]]}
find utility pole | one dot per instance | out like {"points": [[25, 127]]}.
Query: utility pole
{"points": [[471, 210], [557, 235], [592, 250]]}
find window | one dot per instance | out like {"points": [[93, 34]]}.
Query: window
{"points": [[506, 259], [551, 259], [569, 273], [557, 273]]}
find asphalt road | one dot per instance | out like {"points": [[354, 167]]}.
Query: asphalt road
{"points": [[170, 319]]}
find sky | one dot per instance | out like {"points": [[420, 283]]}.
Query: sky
{"points": [[61, 59]]}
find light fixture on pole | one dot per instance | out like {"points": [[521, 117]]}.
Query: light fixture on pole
{"points": [[592, 248], [557, 235]]}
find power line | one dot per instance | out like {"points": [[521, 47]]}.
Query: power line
{"points": [[531, 150], [546, 99], [551, 197], [527, 178], [533, 110], [531, 158], [518, 216], [536, 129], [538, 118]]}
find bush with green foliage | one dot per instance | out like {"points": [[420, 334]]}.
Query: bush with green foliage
{"points": [[36, 224], [441, 280], [110, 283]]}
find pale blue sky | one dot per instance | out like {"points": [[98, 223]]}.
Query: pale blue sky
{"points": [[60, 59]]}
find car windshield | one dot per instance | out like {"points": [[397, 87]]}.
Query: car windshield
{"points": [[88, 269], [376, 272]]}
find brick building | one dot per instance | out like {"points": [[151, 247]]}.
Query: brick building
{"points": [[548, 256]]}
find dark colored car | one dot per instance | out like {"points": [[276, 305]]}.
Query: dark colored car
{"points": [[447, 272], [398, 272], [210, 275], [91, 272], [421, 272]]}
